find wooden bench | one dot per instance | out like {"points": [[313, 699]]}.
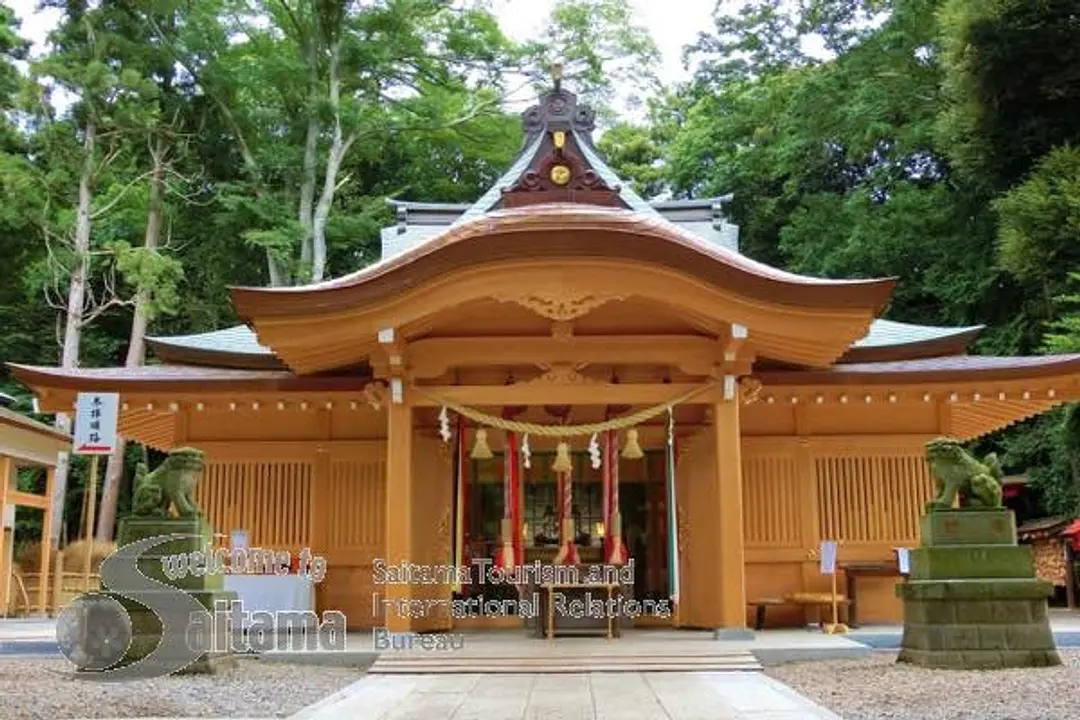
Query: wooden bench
{"points": [[822, 601]]}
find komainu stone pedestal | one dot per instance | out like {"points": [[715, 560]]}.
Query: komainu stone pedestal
{"points": [[205, 589], [972, 599]]}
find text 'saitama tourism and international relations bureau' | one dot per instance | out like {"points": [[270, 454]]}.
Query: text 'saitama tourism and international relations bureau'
{"points": [[566, 374]]}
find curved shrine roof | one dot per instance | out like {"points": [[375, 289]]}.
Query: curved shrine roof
{"points": [[238, 347], [183, 378], [929, 370], [558, 231]]}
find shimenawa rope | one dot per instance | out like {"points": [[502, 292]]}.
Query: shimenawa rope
{"points": [[561, 431]]}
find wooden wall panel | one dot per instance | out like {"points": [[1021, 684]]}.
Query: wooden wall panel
{"points": [[270, 500], [862, 419], [762, 419], [347, 420], [867, 492], [301, 495], [871, 499], [246, 423], [364, 422], [771, 506], [353, 513]]}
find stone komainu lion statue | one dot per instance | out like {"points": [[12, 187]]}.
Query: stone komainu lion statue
{"points": [[956, 471], [171, 484]]}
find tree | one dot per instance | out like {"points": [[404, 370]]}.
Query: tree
{"points": [[83, 275], [153, 274], [1012, 79], [635, 156], [600, 48], [327, 78], [1038, 225]]}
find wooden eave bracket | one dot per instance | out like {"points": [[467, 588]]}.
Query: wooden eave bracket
{"points": [[394, 368], [736, 356]]}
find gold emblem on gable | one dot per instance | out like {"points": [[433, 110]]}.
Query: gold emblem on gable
{"points": [[560, 174]]}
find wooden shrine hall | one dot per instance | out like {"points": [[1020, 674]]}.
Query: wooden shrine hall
{"points": [[564, 371]]}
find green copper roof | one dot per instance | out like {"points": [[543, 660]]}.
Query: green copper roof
{"points": [[888, 333], [491, 198], [238, 339]]}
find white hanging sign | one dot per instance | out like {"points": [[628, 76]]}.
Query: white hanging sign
{"points": [[903, 561], [238, 539], [828, 557], [95, 423]]}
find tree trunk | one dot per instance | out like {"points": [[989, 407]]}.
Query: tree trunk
{"points": [[136, 354], [339, 146], [75, 307], [307, 191], [311, 149]]}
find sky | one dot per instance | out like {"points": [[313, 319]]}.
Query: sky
{"points": [[521, 19]]}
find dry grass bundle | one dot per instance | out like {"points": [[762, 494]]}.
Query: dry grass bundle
{"points": [[28, 556], [75, 554]]}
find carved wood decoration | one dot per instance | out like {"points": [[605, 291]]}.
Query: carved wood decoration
{"points": [[750, 389], [376, 394], [560, 306], [562, 375], [562, 330], [560, 171]]}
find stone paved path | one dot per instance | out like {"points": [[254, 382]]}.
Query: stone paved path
{"points": [[594, 696]]}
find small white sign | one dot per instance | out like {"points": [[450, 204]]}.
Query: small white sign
{"points": [[95, 423], [903, 561], [828, 557], [238, 539]]}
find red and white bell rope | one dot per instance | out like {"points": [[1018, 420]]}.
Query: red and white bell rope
{"points": [[614, 550], [568, 552], [507, 557]]}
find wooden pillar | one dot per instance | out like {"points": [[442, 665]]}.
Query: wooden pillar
{"points": [[398, 513], [46, 542], [809, 517], [730, 552], [1070, 574], [7, 471]]}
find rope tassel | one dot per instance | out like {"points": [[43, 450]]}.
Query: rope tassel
{"points": [[562, 458], [632, 449], [481, 450]]}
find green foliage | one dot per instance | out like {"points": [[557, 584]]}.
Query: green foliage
{"points": [[1012, 82], [934, 145], [1039, 222], [1064, 331], [601, 49], [635, 156]]}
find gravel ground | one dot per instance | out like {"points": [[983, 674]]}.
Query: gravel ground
{"points": [[877, 688], [45, 690]]}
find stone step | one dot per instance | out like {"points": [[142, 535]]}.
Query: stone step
{"points": [[443, 664]]}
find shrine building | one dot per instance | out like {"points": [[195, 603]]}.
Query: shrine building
{"points": [[519, 379]]}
